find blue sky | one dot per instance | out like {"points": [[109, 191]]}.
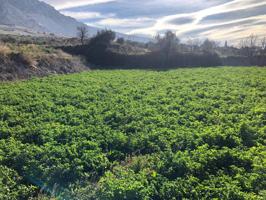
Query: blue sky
{"points": [[215, 19]]}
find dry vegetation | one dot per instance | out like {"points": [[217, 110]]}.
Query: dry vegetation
{"points": [[22, 61], [4, 50]]}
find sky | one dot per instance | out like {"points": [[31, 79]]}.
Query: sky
{"points": [[221, 20]]}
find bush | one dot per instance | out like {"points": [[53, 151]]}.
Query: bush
{"points": [[120, 40], [12, 185], [4, 50], [102, 39], [23, 59], [124, 184]]}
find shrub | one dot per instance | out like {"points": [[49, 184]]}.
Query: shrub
{"points": [[102, 39], [12, 185], [4, 50]]}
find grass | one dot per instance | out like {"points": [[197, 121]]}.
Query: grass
{"points": [[4, 50], [22, 61], [33, 51]]}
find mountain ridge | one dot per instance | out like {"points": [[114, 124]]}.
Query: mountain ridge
{"points": [[43, 19], [38, 16]]}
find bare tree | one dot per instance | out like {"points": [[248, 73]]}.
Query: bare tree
{"points": [[209, 46], [226, 44], [248, 45], [193, 45], [252, 40], [263, 44], [82, 34]]}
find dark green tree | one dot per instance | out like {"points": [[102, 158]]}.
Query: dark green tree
{"points": [[103, 38]]}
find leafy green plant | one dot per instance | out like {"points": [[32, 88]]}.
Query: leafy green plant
{"points": [[180, 134]]}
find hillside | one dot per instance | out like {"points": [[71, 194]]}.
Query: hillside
{"points": [[37, 16], [24, 61], [135, 135]]}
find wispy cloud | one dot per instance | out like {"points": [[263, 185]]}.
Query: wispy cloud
{"points": [[88, 15], [126, 23], [217, 19], [196, 21], [65, 4]]}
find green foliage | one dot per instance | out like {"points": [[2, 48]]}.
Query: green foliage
{"points": [[124, 184], [12, 186], [181, 134], [103, 38], [168, 43]]}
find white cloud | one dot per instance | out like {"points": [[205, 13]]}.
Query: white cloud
{"points": [[65, 4], [126, 22], [237, 28], [217, 19], [181, 29], [87, 15]]}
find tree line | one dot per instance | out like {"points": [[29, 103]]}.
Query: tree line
{"points": [[166, 51]]}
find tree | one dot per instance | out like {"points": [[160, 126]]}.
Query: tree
{"points": [[226, 44], [252, 40], [263, 44], [82, 34], [168, 44], [209, 46], [103, 38], [249, 42], [120, 40], [193, 45], [248, 46]]}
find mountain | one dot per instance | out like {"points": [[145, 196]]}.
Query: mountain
{"points": [[31, 17], [39, 17]]}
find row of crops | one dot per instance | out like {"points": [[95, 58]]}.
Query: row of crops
{"points": [[179, 134]]}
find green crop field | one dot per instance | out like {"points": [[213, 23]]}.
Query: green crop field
{"points": [[154, 135]]}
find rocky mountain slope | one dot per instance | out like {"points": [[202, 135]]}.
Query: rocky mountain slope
{"points": [[37, 16]]}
